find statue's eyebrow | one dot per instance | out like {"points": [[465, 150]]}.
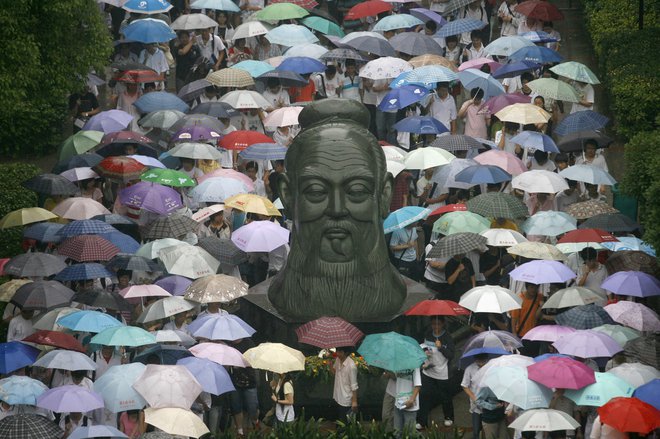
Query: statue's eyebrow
{"points": [[348, 172]]}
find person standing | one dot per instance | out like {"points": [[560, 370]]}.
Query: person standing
{"points": [[404, 247], [525, 318], [283, 398], [509, 18], [406, 405], [493, 418], [185, 53], [345, 384], [442, 107], [476, 120], [471, 387]]}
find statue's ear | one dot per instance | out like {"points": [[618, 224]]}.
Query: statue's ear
{"points": [[386, 195], [284, 189]]}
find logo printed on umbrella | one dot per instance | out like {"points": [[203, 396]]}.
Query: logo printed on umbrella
{"points": [[393, 101]]}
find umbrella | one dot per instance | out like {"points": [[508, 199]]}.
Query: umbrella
{"points": [[79, 143], [217, 190], [385, 67], [490, 299], [459, 26], [544, 420], [497, 205], [212, 110], [493, 339], [250, 29], [204, 120], [100, 431], [456, 142], [523, 114], [424, 158], [241, 139], [576, 71], [547, 333], [152, 197], [574, 142], [51, 184], [189, 261], [630, 415], [396, 21], [468, 357], [8, 289], [160, 100], [166, 354], [116, 387], [549, 223], [88, 321], [231, 77], [628, 260], [47, 321], [15, 355], [539, 181], [120, 168], [88, 159], [220, 327], [254, 68], [635, 374], [281, 11], [44, 232], [404, 217], [173, 284], [478, 63], [84, 271], [511, 384], [99, 298], [437, 308], [497, 103], [220, 5], [460, 222], [193, 22], [369, 8], [70, 398], [649, 393], [322, 25], [275, 357], [145, 290], [584, 317], [146, 6], [588, 174], [537, 54], [614, 222], [21, 390], [392, 351], [34, 264], [301, 65], [124, 242], [24, 426], [24, 216], [631, 283], [153, 248], [194, 133], [542, 272], [457, 244], [260, 236], [176, 421], [148, 30], [537, 250], [574, 296], [172, 225], [310, 50], [87, 248], [472, 79], [79, 208], [224, 250], [123, 336], [514, 69], [505, 46], [245, 99], [587, 235], [634, 315], [42, 295], [108, 121], [56, 339], [413, 43], [535, 140], [581, 121], [483, 174], [588, 209], [502, 159], [167, 386], [198, 151], [165, 308], [216, 288], [211, 376], [621, 334], [219, 353], [432, 60], [644, 350], [263, 151], [229, 173], [291, 35], [515, 360], [329, 332], [114, 144], [503, 237], [85, 227], [133, 263], [174, 336], [606, 387], [586, 343]]}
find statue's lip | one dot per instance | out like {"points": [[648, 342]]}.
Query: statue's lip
{"points": [[337, 232]]}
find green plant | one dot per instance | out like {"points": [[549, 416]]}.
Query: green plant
{"points": [[13, 196], [318, 366]]}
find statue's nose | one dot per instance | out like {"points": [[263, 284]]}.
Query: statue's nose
{"points": [[336, 206]]}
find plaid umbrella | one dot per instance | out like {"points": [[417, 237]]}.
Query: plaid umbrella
{"points": [[631, 260], [88, 248], [85, 227], [497, 205], [51, 184], [99, 298], [170, 226], [612, 222], [133, 263], [44, 232], [460, 26], [34, 264], [456, 244], [224, 250], [230, 78], [216, 109], [329, 332], [120, 168], [24, 426], [581, 121], [342, 53], [584, 317], [645, 350], [587, 209], [42, 295], [83, 272], [457, 142], [114, 219]]}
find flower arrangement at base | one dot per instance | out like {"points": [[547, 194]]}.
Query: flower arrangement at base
{"points": [[318, 366]]}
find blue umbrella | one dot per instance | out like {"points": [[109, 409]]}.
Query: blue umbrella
{"points": [[426, 76], [166, 354], [147, 6], [538, 54], [170, 161], [301, 65], [149, 30], [468, 357], [89, 270], [291, 35], [44, 232], [629, 243], [221, 327], [160, 100], [96, 431], [426, 15], [107, 121], [21, 390], [116, 386], [649, 393], [539, 37], [124, 242], [396, 21], [219, 5], [515, 69], [460, 26], [403, 217], [401, 97], [254, 68], [546, 356], [483, 174], [212, 376], [535, 140], [581, 121], [15, 355], [472, 78], [420, 125], [88, 321], [264, 151], [85, 227]]}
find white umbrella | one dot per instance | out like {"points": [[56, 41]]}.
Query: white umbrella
{"points": [[588, 174], [283, 117], [65, 360], [49, 320], [445, 176], [395, 167], [174, 336], [245, 99], [218, 189], [574, 296], [193, 22], [189, 261], [199, 151], [176, 421], [394, 152], [502, 237], [635, 374], [310, 50], [490, 298], [250, 29], [538, 181], [544, 420], [503, 361], [168, 386], [275, 357], [425, 158], [164, 308], [151, 249], [77, 174], [386, 67], [353, 35]]}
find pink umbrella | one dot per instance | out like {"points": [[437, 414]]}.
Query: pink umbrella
{"points": [[219, 353], [478, 63], [549, 333], [79, 208], [70, 398], [634, 315], [260, 236], [502, 159], [228, 173], [587, 343], [143, 291], [561, 373]]}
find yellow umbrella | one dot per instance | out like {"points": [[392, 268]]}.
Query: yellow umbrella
{"points": [[8, 289], [523, 114], [25, 216], [275, 357], [432, 60], [537, 250], [176, 421], [253, 204]]}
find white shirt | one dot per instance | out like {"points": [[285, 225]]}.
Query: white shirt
{"points": [[435, 274], [598, 161], [474, 53], [512, 85], [284, 412], [470, 383], [332, 85], [277, 100], [444, 110], [102, 366], [172, 325], [439, 363], [277, 258], [156, 61], [594, 279], [405, 384], [586, 92], [604, 431], [19, 328], [350, 88], [549, 165], [210, 49], [478, 14], [345, 382], [509, 28]]}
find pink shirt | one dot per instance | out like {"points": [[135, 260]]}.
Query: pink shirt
{"points": [[475, 121]]}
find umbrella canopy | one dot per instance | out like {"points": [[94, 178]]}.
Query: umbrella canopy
{"points": [[195, 133], [497, 205], [43, 232], [581, 121], [165, 308], [116, 387], [587, 343], [176, 421], [437, 308], [386, 67], [511, 384], [412, 43], [519, 361], [79, 208], [220, 327], [457, 244], [506, 46], [47, 321], [56, 339], [260, 236], [587, 235], [275, 357], [211, 376], [514, 69], [172, 225], [588, 174], [241, 139], [424, 158], [606, 387], [630, 415], [281, 117], [301, 64], [193, 22], [189, 261], [549, 223], [535, 140], [51, 184], [250, 29], [21, 390], [291, 35], [85, 271], [472, 79], [329, 332], [575, 296], [220, 5], [629, 283], [634, 315], [99, 298], [575, 142], [544, 420], [445, 176], [15, 355], [22, 426], [536, 54], [621, 334], [324, 26], [613, 222], [133, 263], [502, 159], [173, 284], [85, 227], [145, 290], [459, 26], [101, 431], [146, 7], [629, 260], [108, 121], [635, 374], [432, 60], [562, 373], [224, 250], [523, 114], [537, 250], [167, 386], [162, 119], [42, 295], [197, 151], [166, 354], [483, 174], [503, 237], [460, 222], [392, 351], [152, 249], [493, 339], [584, 317], [281, 11], [396, 21], [649, 393], [490, 299], [245, 99], [369, 8], [541, 272], [123, 336], [28, 215], [497, 103], [34, 264], [549, 333], [263, 151], [588, 209], [231, 77], [219, 353], [456, 142], [152, 197], [404, 217], [216, 288], [167, 177], [576, 71], [539, 181], [79, 143], [174, 336], [88, 321], [71, 398], [148, 30], [644, 350], [88, 248]]}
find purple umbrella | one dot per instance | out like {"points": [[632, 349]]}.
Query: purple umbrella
{"points": [[587, 343], [496, 103], [212, 376], [549, 333], [153, 197], [109, 121], [70, 398], [634, 315], [220, 327], [175, 285], [542, 272], [426, 15], [195, 133], [632, 283], [260, 236]]}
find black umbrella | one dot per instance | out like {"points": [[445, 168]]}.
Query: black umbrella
{"points": [[190, 120], [192, 90], [51, 184], [129, 65], [224, 250], [287, 78], [99, 298], [42, 295], [374, 45], [611, 222], [133, 263], [34, 264], [574, 142], [23, 426], [165, 354], [216, 109]]}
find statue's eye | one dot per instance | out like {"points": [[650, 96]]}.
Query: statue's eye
{"points": [[358, 190], [315, 192]]}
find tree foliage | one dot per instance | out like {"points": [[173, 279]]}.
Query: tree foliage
{"points": [[49, 47], [14, 196]]}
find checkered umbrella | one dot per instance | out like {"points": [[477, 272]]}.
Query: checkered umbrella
{"points": [[133, 263], [645, 350], [457, 142], [457, 244], [230, 78], [170, 226], [631, 260], [23, 426], [86, 248], [581, 121], [84, 271], [34, 264], [224, 250], [588, 209], [498, 205], [584, 317], [51, 184], [42, 295], [85, 227], [612, 222], [460, 26], [329, 332]]}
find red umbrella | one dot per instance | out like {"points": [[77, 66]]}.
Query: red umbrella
{"points": [[307, 4], [367, 9], [329, 332], [139, 76], [448, 208], [541, 10], [437, 308], [57, 339], [120, 168], [86, 248], [630, 415], [240, 140], [587, 235]]}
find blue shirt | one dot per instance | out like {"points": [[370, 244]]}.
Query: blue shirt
{"points": [[404, 236]]}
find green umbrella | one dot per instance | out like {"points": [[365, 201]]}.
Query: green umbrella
{"points": [[577, 71], [555, 89], [123, 336], [392, 351], [79, 143], [497, 205], [168, 177], [281, 11], [326, 27], [461, 222]]}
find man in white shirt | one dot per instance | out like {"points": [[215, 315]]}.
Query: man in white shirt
{"points": [[179, 323], [509, 18], [105, 358], [211, 47], [471, 388], [154, 58], [20, 326], [586, 94], [276, 96], [350, 85], [475, 49], [406, 401], [474, 10], [592, 274], [346, 385], [443, 107]]}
